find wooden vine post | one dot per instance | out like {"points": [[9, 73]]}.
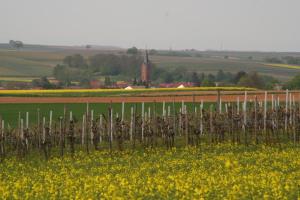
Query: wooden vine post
{"points": [[286, 110], [245, 117], [61, 136], [143, 121]]}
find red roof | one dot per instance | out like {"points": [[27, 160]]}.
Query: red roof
{"points": [[95, 84]]}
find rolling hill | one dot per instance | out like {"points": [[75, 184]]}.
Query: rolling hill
{"points": [[39, 60]]}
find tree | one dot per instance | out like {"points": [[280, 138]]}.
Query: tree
{"points": [[67, 61], [43, 82], [273, 60], [133, 51], [252, 80], [66, 74], [201, 77], [207, 82], [16, 44], [75, 61], [77, 68], [153, 52], [107, 81], [211, 78], [195, 79], [111, 65], [257, 80], [294, 83], [156, 73], [179, 73], [292, 60], [220, 75], [246, 82], [270, 82], [12, 43], [168, 78], [238, 76], [62, 73], [35, 83], [134, 82]]}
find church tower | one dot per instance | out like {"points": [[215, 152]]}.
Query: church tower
{"points": [[146, 69]]}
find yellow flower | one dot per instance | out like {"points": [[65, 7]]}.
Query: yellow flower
{"points": [[227, 164], [158, 174]]}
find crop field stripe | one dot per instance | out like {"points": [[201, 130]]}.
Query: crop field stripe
{"points": [[10, 112], [91, 91], [149, 99], [283, 66]]}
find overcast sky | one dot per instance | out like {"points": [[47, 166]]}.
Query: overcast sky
{"points": [[265, 25]]}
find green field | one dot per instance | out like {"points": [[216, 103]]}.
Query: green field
{"points": [[37, 61], [17, 79], [10, 112], [17, 63]]}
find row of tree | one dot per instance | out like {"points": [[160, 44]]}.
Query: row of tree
{"points": [[241, 78], [293, 84], [16, 44], [81, 69], [78, 68]]}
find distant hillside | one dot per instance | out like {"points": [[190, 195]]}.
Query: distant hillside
{"points": [[39, 60], [50, 48], [214, 64]]}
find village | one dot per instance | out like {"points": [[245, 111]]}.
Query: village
{"points": [[144, 81]]}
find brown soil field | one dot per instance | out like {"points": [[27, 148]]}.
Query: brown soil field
{"points": [[207, 97], [204, 93]]}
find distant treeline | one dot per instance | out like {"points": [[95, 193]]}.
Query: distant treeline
{"points": [[78, 68], [222, 78], [286, 59]]}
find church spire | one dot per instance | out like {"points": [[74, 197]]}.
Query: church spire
{"points": [[146, 57], [146, 69]]}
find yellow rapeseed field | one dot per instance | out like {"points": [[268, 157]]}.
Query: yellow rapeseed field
{"points": [[283, 66], [211, 172], [18, 79], [66, 91]]}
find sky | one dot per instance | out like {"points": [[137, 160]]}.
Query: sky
{"points": [[244, 25]]}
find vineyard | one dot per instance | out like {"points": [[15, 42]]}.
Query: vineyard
{"points": [[239, 149], [145, 125]]}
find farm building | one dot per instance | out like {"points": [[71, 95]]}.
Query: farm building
{"points": [[95, 84], [176, 85]]}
